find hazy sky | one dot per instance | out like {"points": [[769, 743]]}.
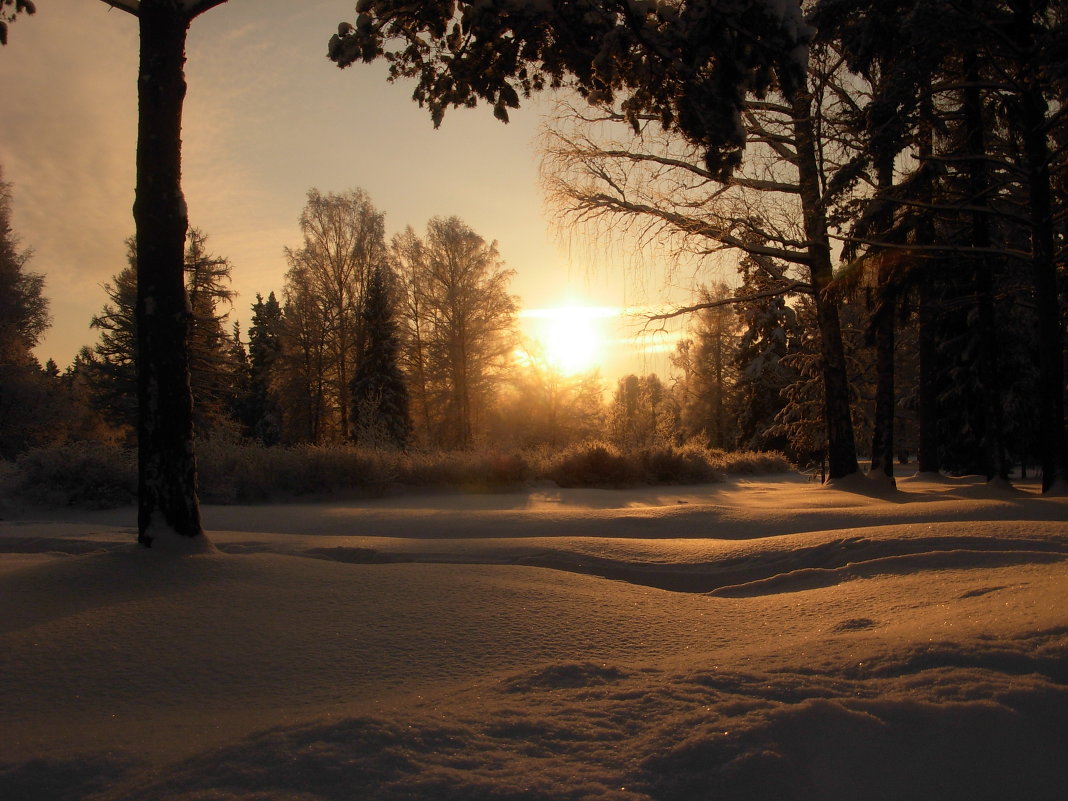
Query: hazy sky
{"points": [[266, 117]]}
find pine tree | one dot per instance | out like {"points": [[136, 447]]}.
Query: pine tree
{"points": [[771, 331], [113, 373], [380, 402], [27, 393], [262, 413], [705, 390]]}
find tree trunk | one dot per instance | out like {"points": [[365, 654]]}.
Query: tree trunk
{"points": [[882, 447], [883, 320], [167, 484], [1032, 123], [841, 445], [929, 458], [979, 189]]}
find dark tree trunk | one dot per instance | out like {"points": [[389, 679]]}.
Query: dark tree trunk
{"points": [[979, 190], [929, 457], [883, 321], [882, 446], [1031, 122], [167, 491], [841, 445]]}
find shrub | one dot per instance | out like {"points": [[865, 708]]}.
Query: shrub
{"points": [[689, 464], [245, 473], [756, 462], [594, 465], [93, 475], [469, 470], [86, 474]]}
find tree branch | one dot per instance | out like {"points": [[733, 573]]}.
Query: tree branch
{"points": [[129, 6], [792, 286]]}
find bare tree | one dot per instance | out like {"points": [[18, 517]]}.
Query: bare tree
{"points": [[461, 328], [774, 208]]}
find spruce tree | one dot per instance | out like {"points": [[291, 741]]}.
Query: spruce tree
{"points": [[379, 392], [771, 332], [262, 413], [212, 365]]}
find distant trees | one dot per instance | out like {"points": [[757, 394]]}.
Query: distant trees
{"points": [[541, 405], [24, 386], [459, 328], [344, 240], [213, 367], [261, 410], [643, 413], [380, 402], [708, 374]]}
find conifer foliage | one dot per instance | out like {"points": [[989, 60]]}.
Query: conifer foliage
{"points": [[379, 392]]}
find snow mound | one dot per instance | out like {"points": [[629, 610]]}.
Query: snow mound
{"points": [[765, 639]]}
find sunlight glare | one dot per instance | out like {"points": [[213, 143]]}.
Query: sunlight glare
{"points": [[572, 336]]}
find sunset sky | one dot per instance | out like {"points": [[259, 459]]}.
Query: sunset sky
{"points": [[267, 116]]}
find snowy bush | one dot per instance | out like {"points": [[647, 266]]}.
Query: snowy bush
{"points": [[86, 474], [93, 475], [688, 464], [246, 473], [594, 465], [470, 470], [753, 462]]}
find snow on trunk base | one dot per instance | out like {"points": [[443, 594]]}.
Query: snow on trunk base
{"points": [[162, 538]]}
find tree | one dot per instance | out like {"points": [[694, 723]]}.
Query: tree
{"points": [[112, 372], [344, 238], [213, 364], [771, 333], [775, 208], [23, 306], [462, 333], [25, 390], [379, 392], [168, 508], [262, 413], [708, 382], [642, 413], [687, 65], [9, 9], [544, 406], [212, 359]]}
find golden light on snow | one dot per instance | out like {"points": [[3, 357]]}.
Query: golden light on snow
{"points": [[572, 337]]}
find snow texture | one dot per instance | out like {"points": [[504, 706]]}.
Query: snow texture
{"points": [[758, 639]]}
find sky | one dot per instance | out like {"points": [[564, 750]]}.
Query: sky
{"points": [[267, 117]]}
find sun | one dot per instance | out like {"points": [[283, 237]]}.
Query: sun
{"points": [[572, 336]]}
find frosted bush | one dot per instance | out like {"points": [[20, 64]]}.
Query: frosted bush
{"points": [[86, 474]]}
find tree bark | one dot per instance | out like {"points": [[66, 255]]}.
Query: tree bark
{"points": [[167, 484], [929, 457], [883, 320], [882, 447], [841, 444], [983, 274], [1031, 123]]}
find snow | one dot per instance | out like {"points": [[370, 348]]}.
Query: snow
{"points": [[762, 638]]}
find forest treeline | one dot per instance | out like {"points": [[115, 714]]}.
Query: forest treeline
{"points": [[407, 343], [896, 215]]}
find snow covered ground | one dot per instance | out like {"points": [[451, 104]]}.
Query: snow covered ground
{"points": [[760, 639]]}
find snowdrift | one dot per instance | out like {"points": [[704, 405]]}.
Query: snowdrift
{"points": [[756, 639]]}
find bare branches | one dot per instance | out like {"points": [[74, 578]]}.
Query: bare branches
{"points": [[784, 289]]}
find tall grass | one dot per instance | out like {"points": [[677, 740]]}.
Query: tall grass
{"points": [[91, 475]]}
